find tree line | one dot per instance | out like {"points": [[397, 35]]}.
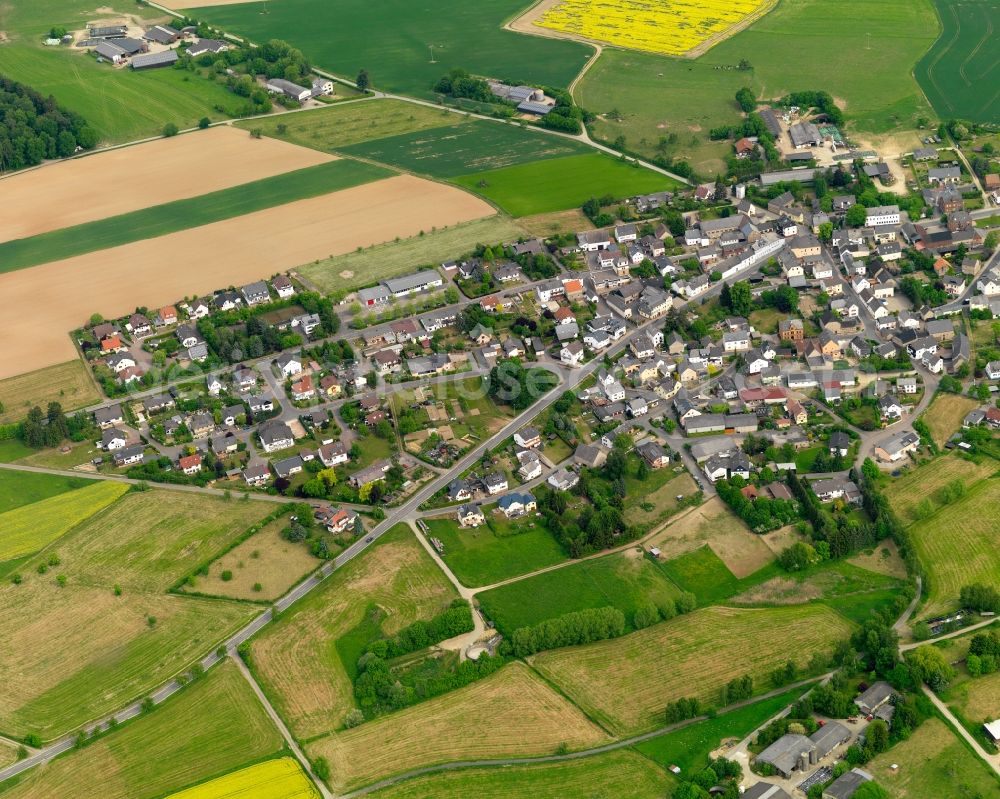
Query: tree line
{"points": [[34, 128]]}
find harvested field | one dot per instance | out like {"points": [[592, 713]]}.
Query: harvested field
{"points": [[296, 659], [982, 698], [67, 193], [779, 540], [945, 415], [266, 559], [713, 523], [572, 221], [187, 213], [883, 559], [621, 774], [352, 270], [932, 763], [76, 651], [925, 482], [211, 727], [956, 554], [272, 779], [113, 282], [67, 383], [626, 682], [507, 714], [32, 527]]}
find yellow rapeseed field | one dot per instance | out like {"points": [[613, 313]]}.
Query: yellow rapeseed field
{"points": [[670, 27], [27, 529], [273, 779]]}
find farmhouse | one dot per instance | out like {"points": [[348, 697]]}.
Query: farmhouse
{"points": [[202, 46], [289, 89]]}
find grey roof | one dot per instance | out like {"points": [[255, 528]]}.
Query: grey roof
{"points": [[784, 753], [163, 34], [109, 50], [846, 784], [129, 45], [765, 790], [411, 282], [166, 58], [109, 414], [534, 108], [284, 467], [287, 87], [804, 133], [829, 737], [876, 695], [207, 45], [274, 430]]}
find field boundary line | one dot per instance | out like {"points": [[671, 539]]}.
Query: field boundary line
{"points": [[622, 743], [279, 724]]}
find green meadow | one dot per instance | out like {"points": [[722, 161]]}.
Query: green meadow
{"points": [[408, 46], [561, 183]]}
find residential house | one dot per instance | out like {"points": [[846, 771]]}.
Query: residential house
{"points": [[275, 435], [897, 446], [517, 504], [528, 438], [190, 464], [471, 515]]}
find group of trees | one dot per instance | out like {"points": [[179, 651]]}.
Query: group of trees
{"points": [[737, 689], [242, 333], [719, 779], [979, 597], [984, 654], [459, 83], [457, 619], [570, 629], [379, 689], [510, 383], [820, 100], [35, 128], [46, 429], [761, 514]]}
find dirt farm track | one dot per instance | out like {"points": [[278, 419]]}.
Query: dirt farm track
{"points": [[39, 306], [105, 184]]}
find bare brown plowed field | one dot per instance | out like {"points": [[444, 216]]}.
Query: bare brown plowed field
{"points": [[39, 306], [118, 181]]}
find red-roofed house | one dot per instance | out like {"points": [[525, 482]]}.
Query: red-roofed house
{"points": [[303, 389], [190, 464]]}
